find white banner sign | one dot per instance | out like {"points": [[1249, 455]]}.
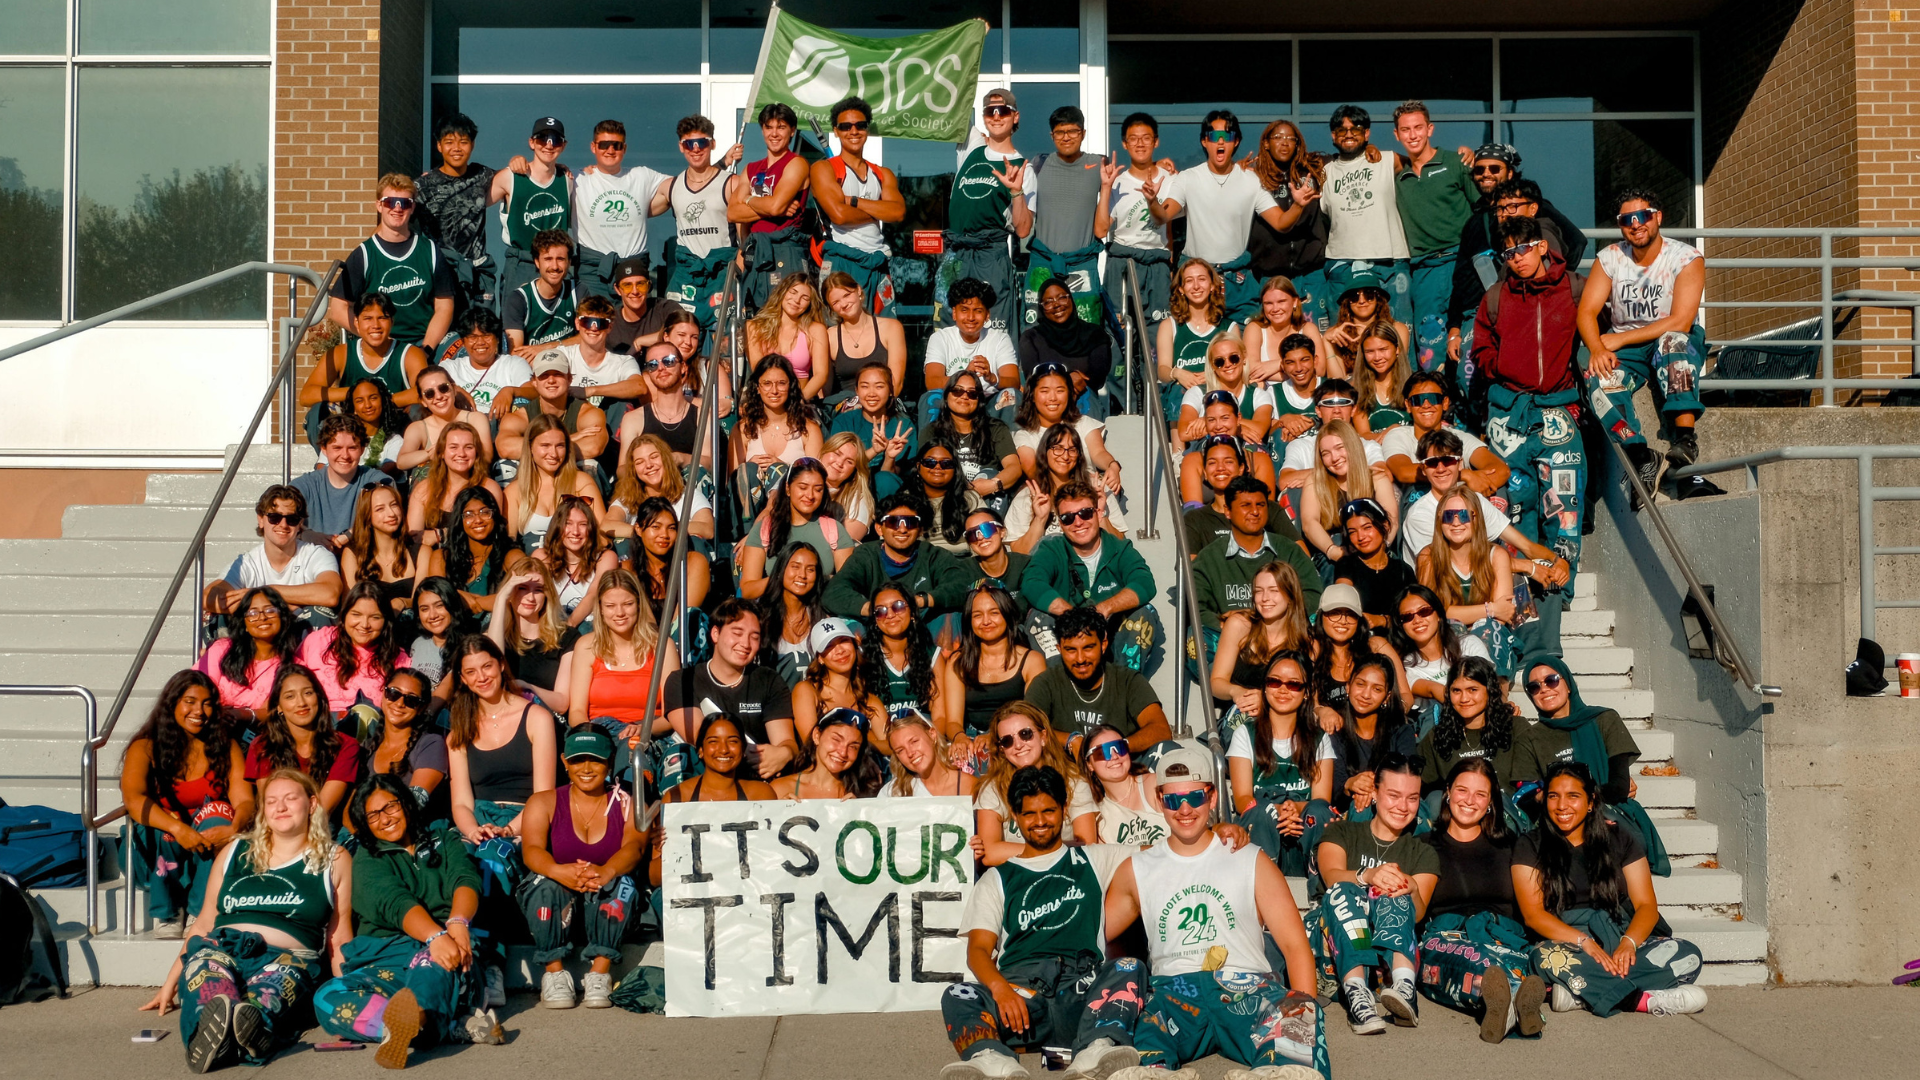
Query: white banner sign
{"points": [[814, 907]]}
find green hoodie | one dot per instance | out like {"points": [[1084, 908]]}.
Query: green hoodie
{"points": [[937, 573], [1056, 573], [389, 883], [1223, 579]]}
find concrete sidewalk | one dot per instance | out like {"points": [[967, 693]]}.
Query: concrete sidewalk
{"points": [[1870, 1033]]}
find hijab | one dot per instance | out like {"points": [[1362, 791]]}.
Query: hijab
{"points": [[1590, 749], [1076, 337]]}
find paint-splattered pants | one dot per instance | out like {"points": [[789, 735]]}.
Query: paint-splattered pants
{"points": [[239, 965], [1073, 1002]]}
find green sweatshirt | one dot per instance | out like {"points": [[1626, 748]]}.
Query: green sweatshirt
{"points": [[1054, 572], [387, 886], [937, 573], [1435, 202], [1223, 575]]}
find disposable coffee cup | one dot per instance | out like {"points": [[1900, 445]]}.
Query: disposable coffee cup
{"points": [[1909, 665]]}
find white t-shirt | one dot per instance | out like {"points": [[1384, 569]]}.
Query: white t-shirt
{"points": [[610, 212], [1401, 441], [613, 368], [1219, 210], [1195, 395], [251, 570], [482, 384], [1079, 802], [1133, 224], [1416, 529], [986, 905], [1241, 746], [1020, 513], [1436, 670], [1301, 452], [1030, 440], [1363, 210], [951, 351]]}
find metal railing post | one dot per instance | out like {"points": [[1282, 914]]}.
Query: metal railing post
{"points": [[1827, 397], [1868, 608], [199, 592], [1126, 350], [287, 423]]}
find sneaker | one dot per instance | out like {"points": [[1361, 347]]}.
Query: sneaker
{"points": [[1526, 1005], [402, 1018], [1497, 994], [480, 1028], [212, 1040], [1563, 1000], [496, 987], [171, 928], [1101, 1059], [596, 990], [1684, 448], [1150, 1072], [1363, 1015], [986, 1065], [556, 990], [1398, 1007], [1676, 1002], [1275, 1072], [250, 1033], [1646, 465]]}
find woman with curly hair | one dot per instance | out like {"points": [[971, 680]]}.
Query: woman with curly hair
{"points": [[774, 431], [1199, 312], [243, 668], [1299, 254], [792, 325], [797, 512], [183, 780], [836, 762], [896, 654], [299, 735], [1022, 736], [377, 548], [989, 462], [647, 472], [1477, 720], [477, 551], [354, 658], [459, 463], [1280, 767]]}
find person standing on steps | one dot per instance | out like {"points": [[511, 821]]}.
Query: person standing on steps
{"points": [[1650, 288], [536, 201], [400, 263], [769, 204], [986, 211], [611, 205], [1133, 223], [451, 211], [1496, 176], [540, 311], [1037, 943], [1364, 234], [1434, 194], [857, 197], [1203, 907], [1067, 193], [696, 257]]}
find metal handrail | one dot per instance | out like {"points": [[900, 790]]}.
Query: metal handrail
{"points": [[1186, 609], [90, 819], [1864, 456]]}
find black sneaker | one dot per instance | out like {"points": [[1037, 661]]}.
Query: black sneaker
{"points": [[1684, 448], [250, 1033], [212, 1039], [1646, 465], [1363, 1014]]}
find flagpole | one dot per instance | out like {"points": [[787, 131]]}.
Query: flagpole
{"points": [[759, 70]]}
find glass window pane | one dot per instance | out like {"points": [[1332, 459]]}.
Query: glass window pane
{"points": [[36, 27], [505, 116], [1046, 37], [1252, 78], [1452, 76], [1652, 74], [1579, 165], [33, 110], [1037, 102], [172, 186], [600, 50], [191, 27]]}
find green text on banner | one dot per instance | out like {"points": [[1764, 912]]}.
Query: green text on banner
{"points": [[920, 86]]}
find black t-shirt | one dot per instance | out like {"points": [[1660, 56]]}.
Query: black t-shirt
{"points": [[620, 339], [1358, 755], [1377, 588], [761, 696], [1626, 842], [1475, 876], [1123, 696], [1205, 525], [541, 667], [1300, 250], [352, 282], [453, 210]]}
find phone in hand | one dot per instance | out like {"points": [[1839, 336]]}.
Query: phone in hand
{"points": [[149, 1035]]}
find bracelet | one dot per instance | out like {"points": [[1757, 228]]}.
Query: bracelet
{"points": [[1629, 937], [461, 919], [442, 932]]}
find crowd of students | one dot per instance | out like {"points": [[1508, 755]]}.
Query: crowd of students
{"points": [[431, 687]]}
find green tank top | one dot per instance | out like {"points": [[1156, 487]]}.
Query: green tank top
{"points": [[548, 320], [1051, 912], [407, 281], [1190, 349], [1283, 404], [289, 898], [532, 208], [979, 200], [898, 693], [1385, 416], [390, 373]]}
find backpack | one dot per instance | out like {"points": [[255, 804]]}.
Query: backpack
{"points": [[42, 848], [26, 974]]}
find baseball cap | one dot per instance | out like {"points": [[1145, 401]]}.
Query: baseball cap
{"points": [[549, 125], [1186, 764], [549, 362], [588, 741], [1005, 97], [627, 268], [827, 631], [1341, 598]]}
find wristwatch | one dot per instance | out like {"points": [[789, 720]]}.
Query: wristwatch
{"points": [[853, 201]]}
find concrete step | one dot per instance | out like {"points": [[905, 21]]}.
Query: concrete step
{"points": [[1630, 704], [99, 669], [196, 489], [142, 521], [1586, 627], [57, 753], [102, 594], [1722, 940], [123, 630], [131, 556], [1688, 836], [1666, 791], [1753, 974], [1587, 661], [1697, 887], [62, 792], [1586, 583]]}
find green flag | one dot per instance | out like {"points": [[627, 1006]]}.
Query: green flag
{"points": [[920, 87]]}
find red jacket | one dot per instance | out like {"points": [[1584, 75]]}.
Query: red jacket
{"points": [[1528, 345]]}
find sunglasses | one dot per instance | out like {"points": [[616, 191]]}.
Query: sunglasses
{"points": [[1550, 682], [431, 392], [1635, 219], [658, 362], [1518, 250], [1456, 517], [1483, 170], [901, 521], [1513, 206], [411, 701], [1226, 359], [397, 202], [1424, 400], [1025, 734], [1074, 517], [696, 144], [285, 519], [964, 392], [1291, 686], [550, 140], [1416, 614], [594, 323], [986, 530], [997, 111], [1108, 751], [1220, 135], [939, 464], [1443, 461], [1185, 800], [881, 611], [1336, 402], [609, 144], [851, 125], [1051, 367]]}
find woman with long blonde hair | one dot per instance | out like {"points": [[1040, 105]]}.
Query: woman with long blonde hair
{"points": [[613, 666], [533, 633], [922, 764], [647, 469], [849, 482], [1022, 736], [1380, 378], [1198, 311], [1472, 575], [459, 462], [548, 471], [1227, 373], [793, 324], [1340, 475]]}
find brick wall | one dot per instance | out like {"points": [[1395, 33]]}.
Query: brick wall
{"points": [[1886, 48], [327, 134]]}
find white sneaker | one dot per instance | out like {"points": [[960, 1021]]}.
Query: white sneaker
{"points": [[171, 929], [1154, 1072], [1676, 1002], [1275, 1072], [496, 987], [1398, 1007], [1101, 1059], [480, 1028], [596, 990], [986, 1065], [1563, 1000], [556, 990]]}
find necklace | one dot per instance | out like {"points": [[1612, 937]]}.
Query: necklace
{"points": [[1084, 699]]}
